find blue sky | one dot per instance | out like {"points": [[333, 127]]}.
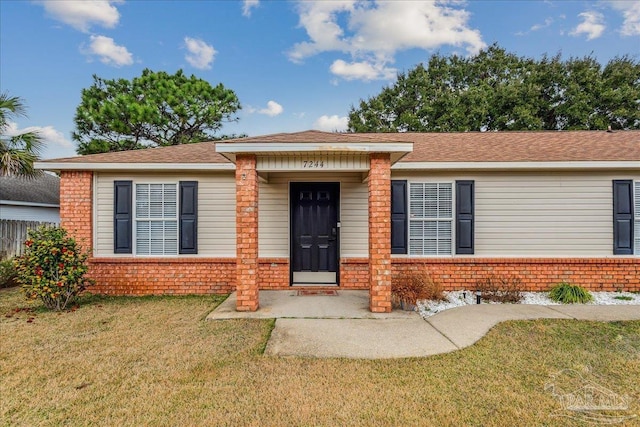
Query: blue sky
{"points": [[295, 65]]}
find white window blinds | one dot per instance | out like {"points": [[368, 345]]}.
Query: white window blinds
{"points": [[156, 219], [430, 218]]}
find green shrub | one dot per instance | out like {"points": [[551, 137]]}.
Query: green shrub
{"points": [[8, 274], [567, 293], [500, 288], [52, 268]]}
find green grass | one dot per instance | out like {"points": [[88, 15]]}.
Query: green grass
{"points": [[623, 297], [156, 361]]}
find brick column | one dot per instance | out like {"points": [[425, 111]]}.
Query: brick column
{"points": [[76, 205], [246, 233], [380, 233]]}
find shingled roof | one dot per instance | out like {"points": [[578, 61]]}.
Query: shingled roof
{"points": [[550, 146], [42, 190], [201, 152], [538, 146]]}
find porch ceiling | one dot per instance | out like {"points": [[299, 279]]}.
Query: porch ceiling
{"points": [[397, 150]]}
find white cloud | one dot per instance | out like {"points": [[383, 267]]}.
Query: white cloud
{"points": [[547, 23], [248, 5], [631, 13], [374, 31], [331, 123], [49, 134], [108, 51], [200, 54], [362, 70], [82, 14], [536, 27], [591, 25], [273, 109]]}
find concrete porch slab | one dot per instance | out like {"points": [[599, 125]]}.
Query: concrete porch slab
{"points": [[288, 304]]}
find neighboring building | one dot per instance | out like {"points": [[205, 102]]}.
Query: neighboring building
{"points": [[36, 199], [26, 204], [350, 210]]}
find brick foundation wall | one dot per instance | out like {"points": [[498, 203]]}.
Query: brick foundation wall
{"points": [[152, 276], [76, 200], [354, 273], [155, 276], [536, 274], [273, 273]]}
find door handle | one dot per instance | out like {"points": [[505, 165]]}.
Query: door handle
{"points": [[334, 234]]}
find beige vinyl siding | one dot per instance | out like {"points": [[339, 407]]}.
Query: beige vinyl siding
{"points": [[543, 214], [273, 213], [216, 210]]}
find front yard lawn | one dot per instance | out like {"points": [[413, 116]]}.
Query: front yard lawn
{"points": [[156, 361]]}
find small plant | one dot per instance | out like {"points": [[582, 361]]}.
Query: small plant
{"points": [[623, 297], [8, 274], [408, 288], [52, 268], [503, 289], [567, 293]]}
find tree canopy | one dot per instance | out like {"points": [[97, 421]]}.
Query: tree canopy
{"points": [[498, 90], [17, 152], [154, 109]]}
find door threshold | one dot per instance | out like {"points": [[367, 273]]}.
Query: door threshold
{"points": [[314, 285]]}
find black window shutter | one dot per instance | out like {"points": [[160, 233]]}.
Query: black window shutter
{"points": [[122, 217], [188, 217], [399, 217], [623, 217], [464, 217]]}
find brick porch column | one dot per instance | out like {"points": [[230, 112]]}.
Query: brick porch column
{"points": [[380, 233], [76, 205], [246, 233]]}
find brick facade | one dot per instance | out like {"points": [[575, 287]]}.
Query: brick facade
{"points": [[247, 232], [273, 273], [76, 205], [195, 275], [536, 274], [354, 273], [380, 233], [154, 276]]}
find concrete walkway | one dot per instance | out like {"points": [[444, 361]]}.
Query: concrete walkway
{"points": [[342, 326]]}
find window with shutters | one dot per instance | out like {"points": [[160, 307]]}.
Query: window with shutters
{"points": [[430, 218], [156, 219], [636, 220]]}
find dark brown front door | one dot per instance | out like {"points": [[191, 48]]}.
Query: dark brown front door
{"points": [[314, 232]]}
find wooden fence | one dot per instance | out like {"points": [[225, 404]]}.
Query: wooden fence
{"points": [[13, 233]]}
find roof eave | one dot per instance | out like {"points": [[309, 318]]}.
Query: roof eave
{"points": [[89, 166], [522, 166]]}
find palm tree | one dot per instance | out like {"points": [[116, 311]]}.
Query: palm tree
{"points": [[17, 152]]}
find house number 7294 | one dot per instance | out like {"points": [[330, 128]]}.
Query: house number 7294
{"points": [[315, 164]]}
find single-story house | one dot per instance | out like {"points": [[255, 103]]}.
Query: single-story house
{"points": [[30, 199], [352, 210]]}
